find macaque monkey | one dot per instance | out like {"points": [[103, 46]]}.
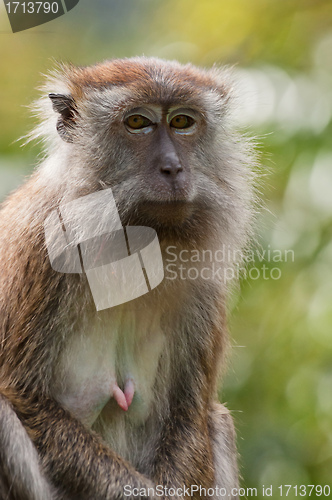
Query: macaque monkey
{"points": [[109, 404]]}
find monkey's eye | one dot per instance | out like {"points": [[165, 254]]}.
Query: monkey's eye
{"points": [[182, 122], [137, 122]]}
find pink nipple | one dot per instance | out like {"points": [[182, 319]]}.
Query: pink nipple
{"points": [[129, 391], [124, 399]]}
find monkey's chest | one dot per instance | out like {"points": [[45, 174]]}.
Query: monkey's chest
{"points": [[108, 374]]}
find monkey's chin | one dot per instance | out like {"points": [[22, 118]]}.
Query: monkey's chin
{"points": [[165, 213]]}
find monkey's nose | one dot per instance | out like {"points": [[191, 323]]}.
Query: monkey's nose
{"points": [[172, 176], [171, 169]]}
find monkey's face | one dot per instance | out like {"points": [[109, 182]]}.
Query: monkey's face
{"points": [[156, 133], [159, 143]]}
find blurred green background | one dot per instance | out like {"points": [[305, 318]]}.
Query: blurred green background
{"points": [[279, 383]]}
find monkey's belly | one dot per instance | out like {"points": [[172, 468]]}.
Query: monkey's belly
{"points": [[110, 372]]}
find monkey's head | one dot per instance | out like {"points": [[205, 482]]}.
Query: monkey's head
{"points": [[159, 134]]}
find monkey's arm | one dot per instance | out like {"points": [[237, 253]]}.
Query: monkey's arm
{"points": [[21, 476], [197, 446], [191, 454], [184, 456], [73, 456]]}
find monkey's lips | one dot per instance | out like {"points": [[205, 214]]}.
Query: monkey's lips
{"points": [[166, 212]]}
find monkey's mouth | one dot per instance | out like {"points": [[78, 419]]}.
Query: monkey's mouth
{"points": [[170, 212], [159, 214]]}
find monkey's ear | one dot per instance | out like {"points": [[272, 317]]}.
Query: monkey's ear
{"points": [[65, 106]]}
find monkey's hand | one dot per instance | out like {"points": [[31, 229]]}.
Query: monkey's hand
{"points": [[74, 458]]}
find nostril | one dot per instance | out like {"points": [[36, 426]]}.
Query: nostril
{"points": [[170, 170]]}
